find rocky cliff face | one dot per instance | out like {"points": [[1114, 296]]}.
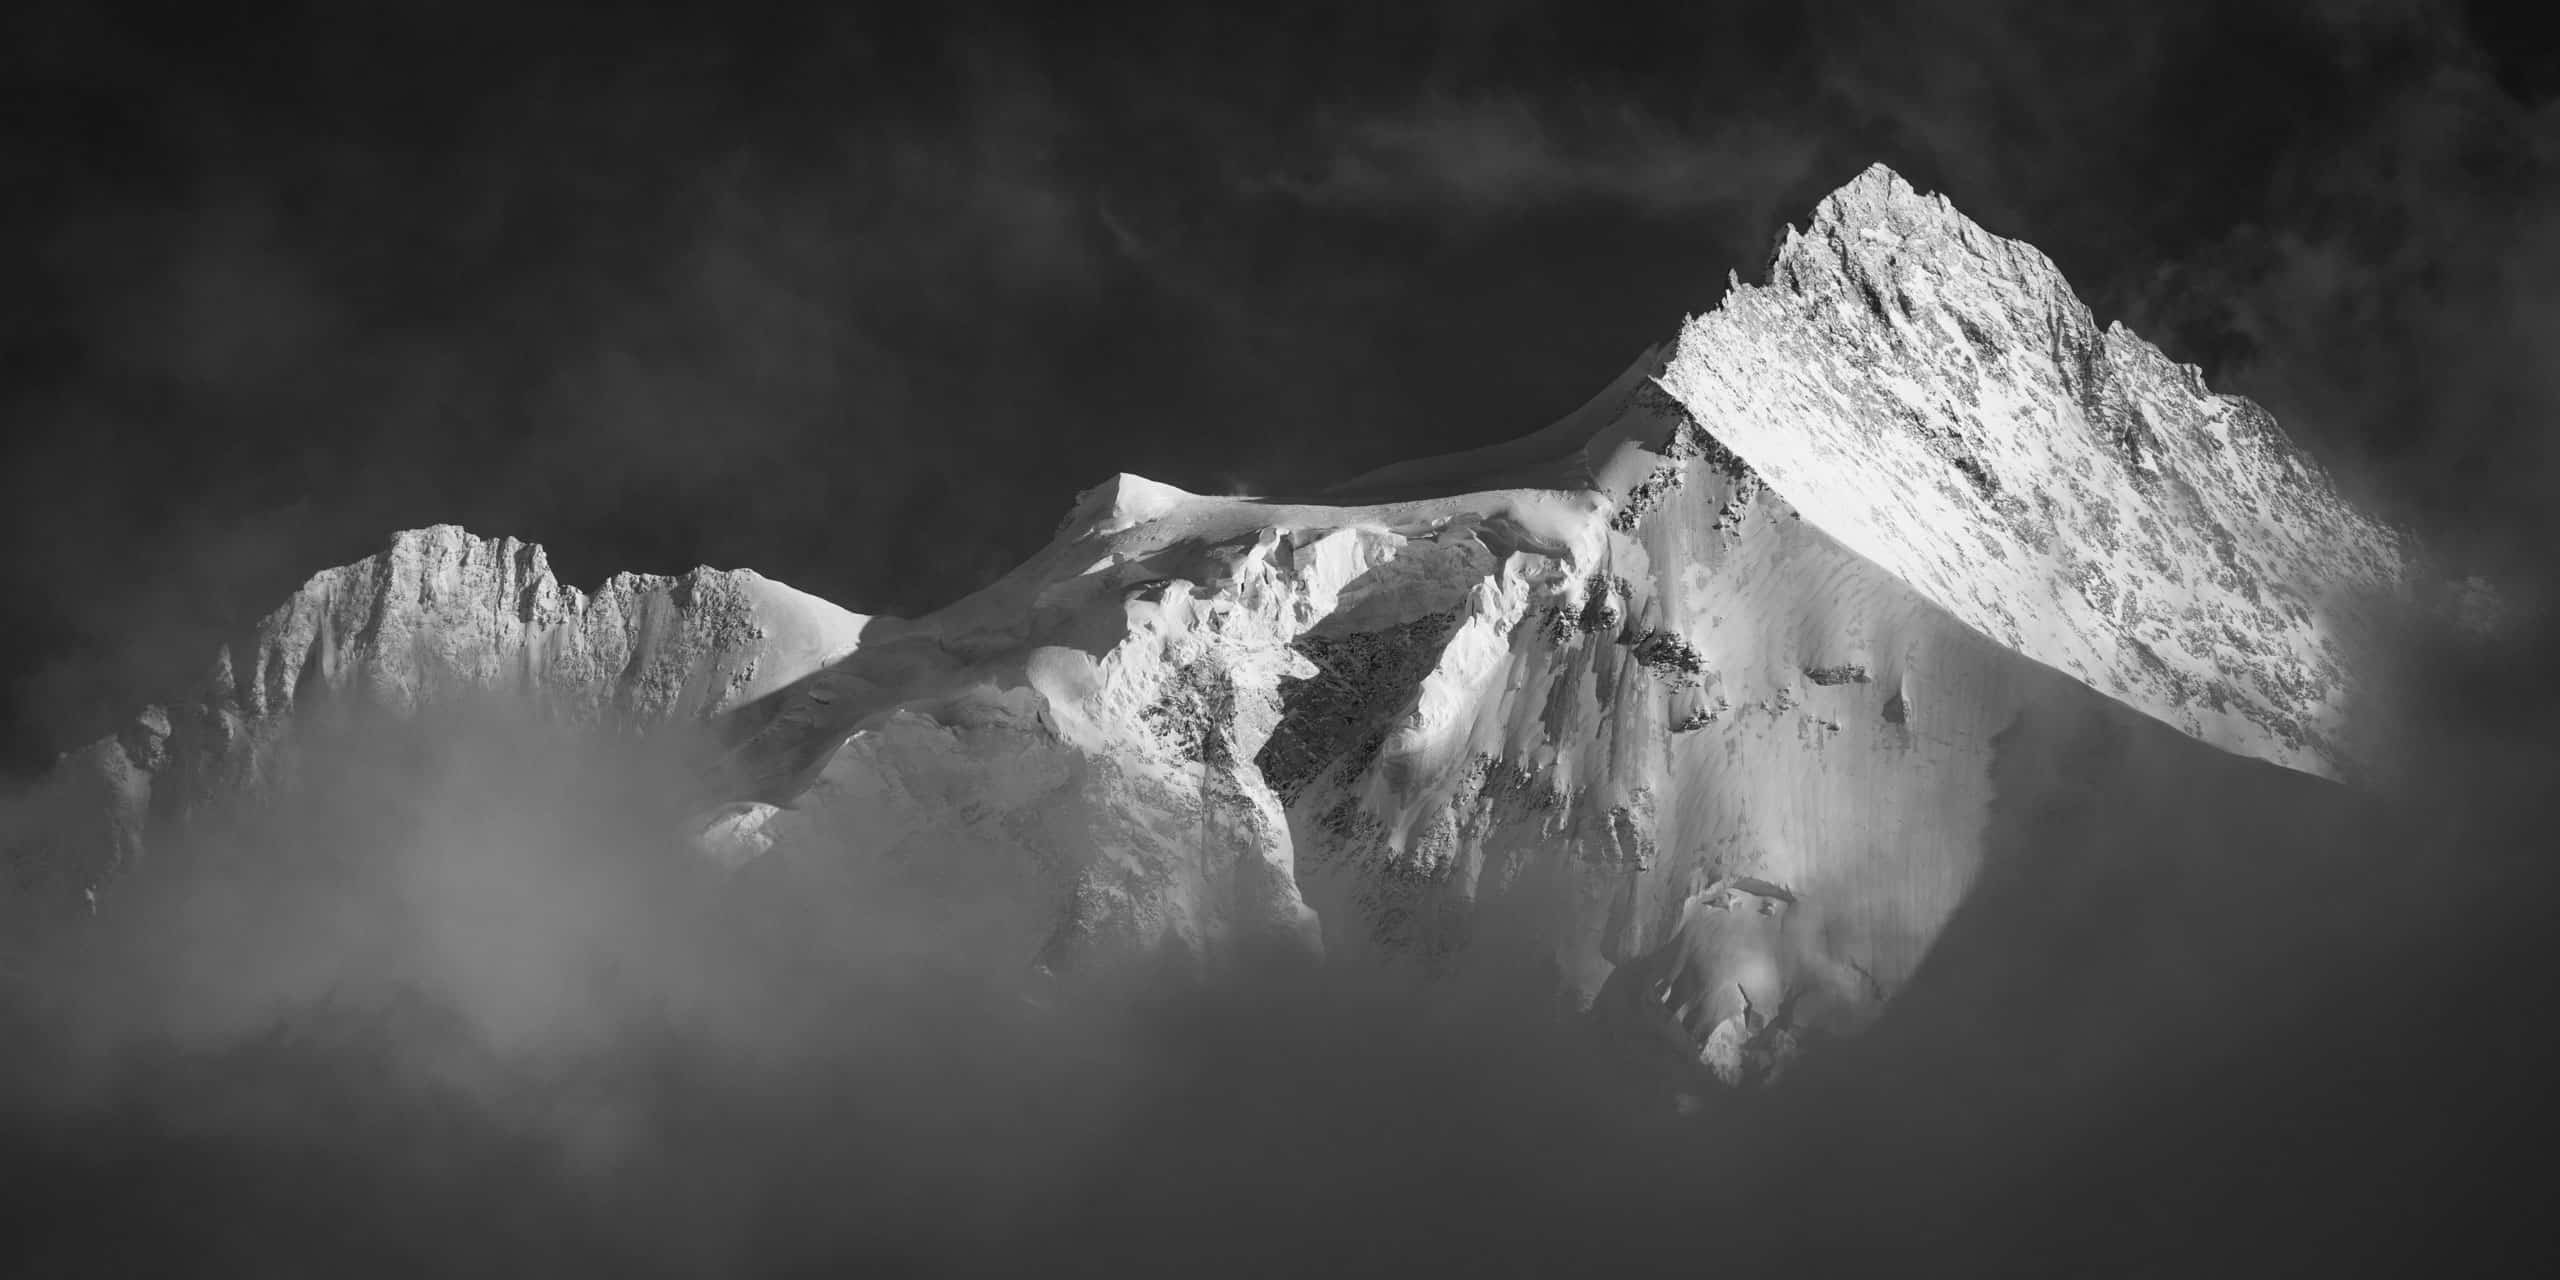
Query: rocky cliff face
{"points": [[1708, 705]]}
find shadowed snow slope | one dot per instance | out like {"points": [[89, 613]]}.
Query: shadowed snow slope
{"points": [[1691, 705]]}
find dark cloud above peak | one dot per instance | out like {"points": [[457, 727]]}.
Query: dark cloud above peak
{"points": [[1456, 158], [2389, 301]]}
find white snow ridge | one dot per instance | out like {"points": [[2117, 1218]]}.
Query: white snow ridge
{"points": [[1703, 701]]}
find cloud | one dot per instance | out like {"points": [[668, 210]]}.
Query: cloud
{"points": [[1512, 154], [458, 999], [2393, 305]]}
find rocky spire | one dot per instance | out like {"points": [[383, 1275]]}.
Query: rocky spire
{"points": [[1937, 398]]}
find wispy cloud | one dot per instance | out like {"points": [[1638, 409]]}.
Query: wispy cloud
{"points": [[2399, 313], [1513, 154]]}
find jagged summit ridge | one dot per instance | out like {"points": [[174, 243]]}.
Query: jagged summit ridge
{"points": [[437, 616], [1882, 200], [1936, 397]]}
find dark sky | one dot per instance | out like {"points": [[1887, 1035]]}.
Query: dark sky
{"points": [[860, 295]]}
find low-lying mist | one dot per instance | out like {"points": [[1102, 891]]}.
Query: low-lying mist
{"points": [[462, 999]]}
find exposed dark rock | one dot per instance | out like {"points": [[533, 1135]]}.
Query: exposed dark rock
{"points": [[1671, 658], [1363, 680]]}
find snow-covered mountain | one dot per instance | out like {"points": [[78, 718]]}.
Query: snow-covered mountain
{"points": [[1703, 704]]}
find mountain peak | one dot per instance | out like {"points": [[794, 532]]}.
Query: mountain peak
{"points": [[1877, 196], [1937, 398], [1877, 229]]}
